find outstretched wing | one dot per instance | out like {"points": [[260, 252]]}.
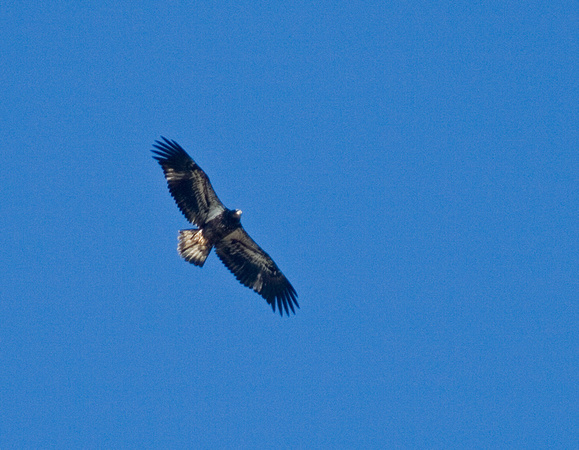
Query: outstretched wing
{"points": [[188, 184], [255, 269]]}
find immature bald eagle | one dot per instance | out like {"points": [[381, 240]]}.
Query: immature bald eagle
{"points": [[219, 227]]}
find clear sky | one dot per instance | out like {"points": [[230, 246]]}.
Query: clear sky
{"points": [[412, 167]]}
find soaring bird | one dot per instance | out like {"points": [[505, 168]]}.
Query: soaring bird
{"points": [[221, 228]]}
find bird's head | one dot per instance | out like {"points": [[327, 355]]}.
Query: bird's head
{"points": [[235, 216]]}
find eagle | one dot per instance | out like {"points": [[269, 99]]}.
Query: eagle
{"points": [[219, 228]]}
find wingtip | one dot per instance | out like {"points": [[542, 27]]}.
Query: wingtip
{"points": [[165, 149], [284, 303]]}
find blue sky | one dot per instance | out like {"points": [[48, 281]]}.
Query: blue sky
{"points": [[411, 167]]}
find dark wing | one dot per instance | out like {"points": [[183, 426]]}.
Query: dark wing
{"points": [[188, 184], [255, 269]]}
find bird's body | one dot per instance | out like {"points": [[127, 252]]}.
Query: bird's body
{"points": [[219, 228]]}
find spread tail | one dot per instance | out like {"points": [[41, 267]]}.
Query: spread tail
{"points": [[193, 246]]}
